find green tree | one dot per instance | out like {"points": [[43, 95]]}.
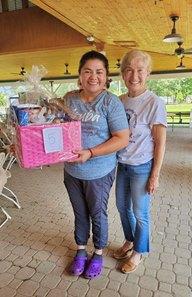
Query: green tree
{"points": [[186, 86], [3, 99], [178, 88]]}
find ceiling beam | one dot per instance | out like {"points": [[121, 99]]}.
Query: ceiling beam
{"points": [[33, 29], [57, 14]]}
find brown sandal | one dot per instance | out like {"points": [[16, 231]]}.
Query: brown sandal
{"points": [[122, 254], [129, 267]]}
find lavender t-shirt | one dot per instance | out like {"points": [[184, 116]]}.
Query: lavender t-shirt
{"points": [[142, 112]]}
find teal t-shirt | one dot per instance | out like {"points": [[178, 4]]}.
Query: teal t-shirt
{"points": [[98, 119]]}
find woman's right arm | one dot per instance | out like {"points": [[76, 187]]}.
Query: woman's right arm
{"points": [[119, 140], [159, 137]]}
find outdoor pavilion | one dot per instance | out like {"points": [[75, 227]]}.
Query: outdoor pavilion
{"points": [[55, 33], [36, 244]]}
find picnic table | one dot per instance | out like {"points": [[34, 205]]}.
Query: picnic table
{"points": [[178, 118]]}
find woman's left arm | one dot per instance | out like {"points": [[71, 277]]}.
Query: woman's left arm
{"points": [[159, 137]]}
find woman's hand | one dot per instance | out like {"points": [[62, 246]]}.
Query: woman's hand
{"points": [[152, 184], [84, 155], [55, 104]]}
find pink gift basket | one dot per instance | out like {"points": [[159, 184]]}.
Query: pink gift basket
{"points": [[30, 143], [43, 132]]}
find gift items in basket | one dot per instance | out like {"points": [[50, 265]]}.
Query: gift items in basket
{"points": [[26, 114]]}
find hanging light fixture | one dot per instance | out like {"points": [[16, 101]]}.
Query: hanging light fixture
{"points": [[90, 38], [173, 37]]}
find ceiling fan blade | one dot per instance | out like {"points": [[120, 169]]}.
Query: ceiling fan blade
{"points": [[15, 73], [21, 72], [67, 73], [188, 51]]}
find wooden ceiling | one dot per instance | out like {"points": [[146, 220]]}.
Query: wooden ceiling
{"points": [[52, 33]]}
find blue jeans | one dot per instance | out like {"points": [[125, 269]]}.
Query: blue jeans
{"points": [[133, 204], [89, 199]]}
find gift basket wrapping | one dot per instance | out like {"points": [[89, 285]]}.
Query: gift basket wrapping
{"points": [[38, 145], [43, 133], [31, 86]]}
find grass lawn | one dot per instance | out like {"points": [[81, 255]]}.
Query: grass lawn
{"points": [[179, 107]]}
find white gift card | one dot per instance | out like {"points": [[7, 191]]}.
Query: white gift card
{"points": [[53, 139]]}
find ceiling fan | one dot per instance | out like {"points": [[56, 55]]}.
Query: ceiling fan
{"points": [[67, 69], [117, 64], [180, 51], [22, 72], [181, 66]]}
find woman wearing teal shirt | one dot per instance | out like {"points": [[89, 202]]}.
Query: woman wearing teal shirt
{"points": [[89, 178]]}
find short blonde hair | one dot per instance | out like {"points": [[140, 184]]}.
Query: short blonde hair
{"points": [[136, 55]]}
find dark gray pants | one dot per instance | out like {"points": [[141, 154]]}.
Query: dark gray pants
{"points": [[89, 199]]}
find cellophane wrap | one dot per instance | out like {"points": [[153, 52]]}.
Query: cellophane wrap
{"points": [[32, 84]]}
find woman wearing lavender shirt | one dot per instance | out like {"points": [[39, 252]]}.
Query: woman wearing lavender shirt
{"points": [[140, 162]]}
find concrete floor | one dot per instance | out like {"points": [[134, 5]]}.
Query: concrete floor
{"points": [[37, 246]]}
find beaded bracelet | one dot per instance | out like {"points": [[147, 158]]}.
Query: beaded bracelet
{"points": [[91, 153]]}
